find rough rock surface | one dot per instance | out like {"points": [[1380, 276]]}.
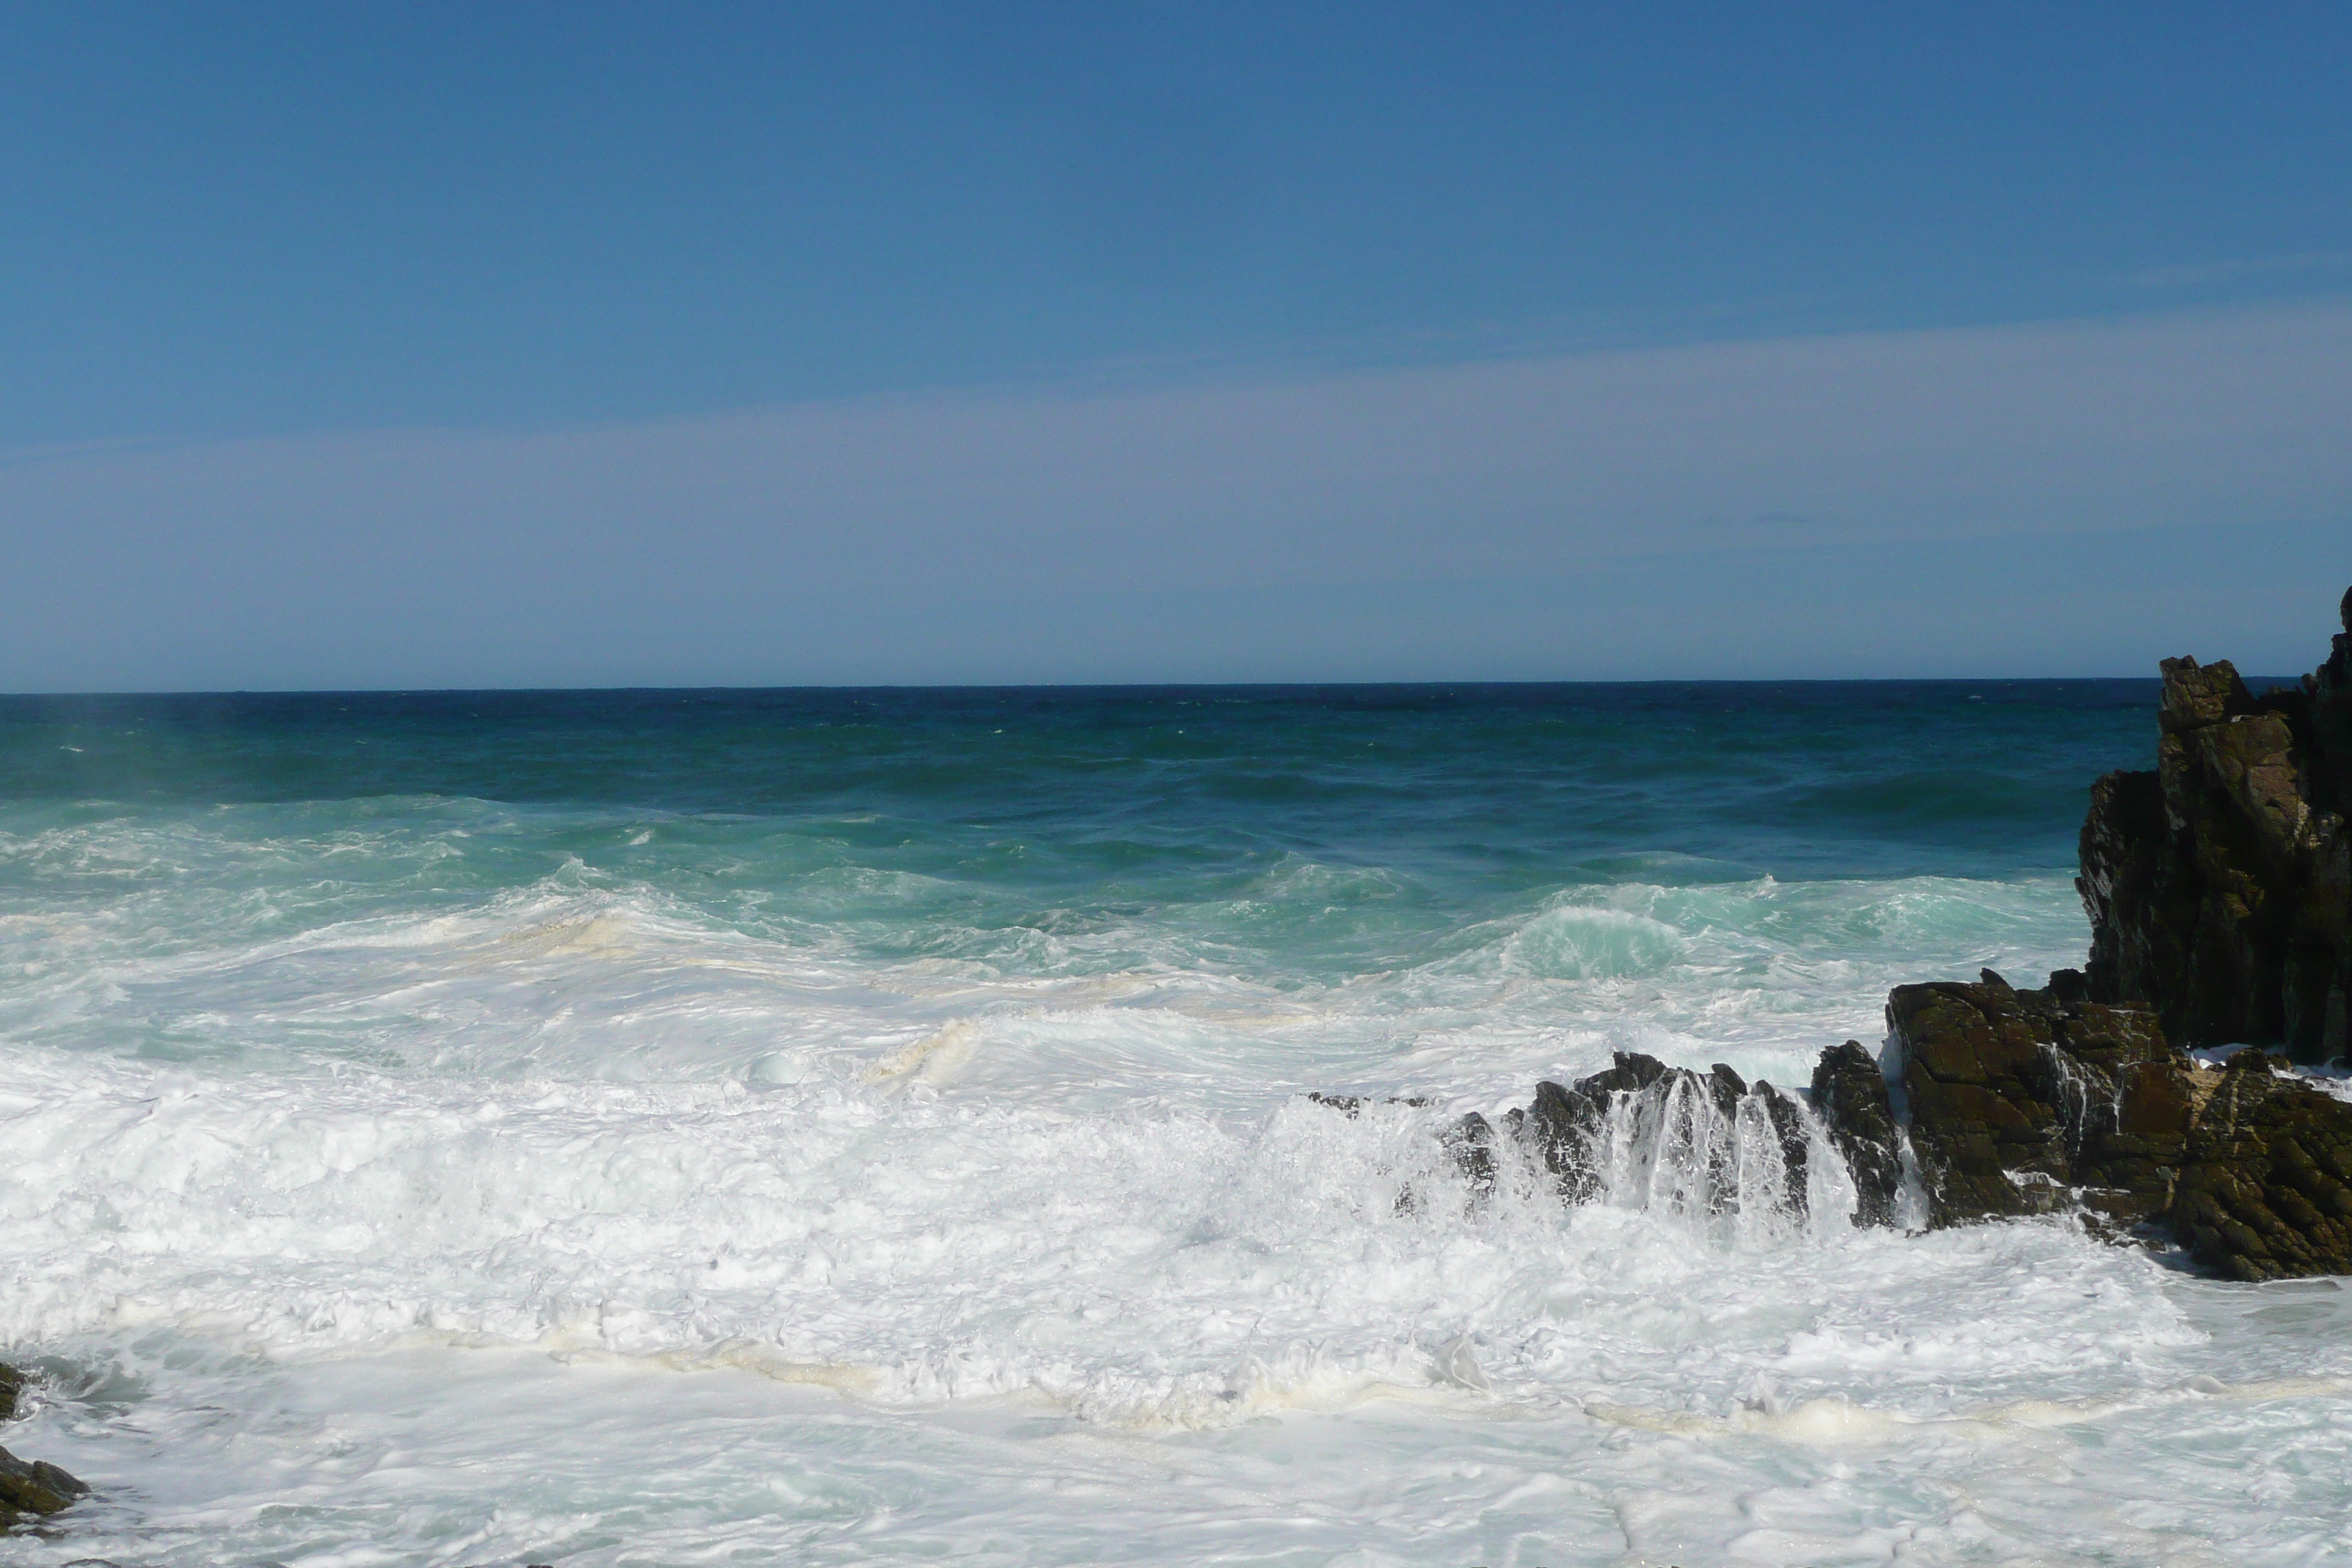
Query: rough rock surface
{"points": [[2266, 1191], [2220, 886], [34, 1488], [2010, 1103], [1849, 1093], [1580, 1133], [28, 1488], [2026, 1102]]}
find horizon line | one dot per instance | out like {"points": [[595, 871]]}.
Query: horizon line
{"points": [[1100, 686]]}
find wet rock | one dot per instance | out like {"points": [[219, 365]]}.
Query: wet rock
{"points": [[2220, 886], [34, 1489], [1705, 1144], [2267, 1190], [1782, 1110], [1348, 1105], [2032, 1101], [12, 1387], [1471, 1142], [2026, 1102], [1567, 1130], [1849, 1094]]}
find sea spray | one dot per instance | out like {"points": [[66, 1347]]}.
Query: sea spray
{"points": [[818, 1127]]}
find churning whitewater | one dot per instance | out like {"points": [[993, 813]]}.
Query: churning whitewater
{"points": [[653, 1128]]}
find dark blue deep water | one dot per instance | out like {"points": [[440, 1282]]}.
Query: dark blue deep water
{"points": [[1517, 782]]}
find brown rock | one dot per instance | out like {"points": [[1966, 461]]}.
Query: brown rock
{"points": [[2030, 1101], [2219, 886], [2267, 1190]]}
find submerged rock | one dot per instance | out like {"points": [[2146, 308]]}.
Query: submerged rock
{"points": [[1471, 1142], [2220, 886], [1703, 1143], [29, 1488], [34, 1488]]}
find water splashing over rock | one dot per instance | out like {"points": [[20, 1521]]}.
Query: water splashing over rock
{"points": [[1750, 1164]]}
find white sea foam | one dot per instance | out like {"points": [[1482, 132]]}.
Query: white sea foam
{"points": [[576, 1217]]}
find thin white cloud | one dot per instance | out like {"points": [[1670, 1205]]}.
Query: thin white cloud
{"points": [[2199, 274], [1027, 534]]}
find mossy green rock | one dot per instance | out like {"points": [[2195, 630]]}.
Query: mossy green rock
{"points": [[34, 1488]]}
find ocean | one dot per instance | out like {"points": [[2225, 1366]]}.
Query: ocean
{"points": [[848, 1127]]}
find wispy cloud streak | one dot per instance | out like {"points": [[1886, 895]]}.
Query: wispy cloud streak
{"points": [[1091, 534]]}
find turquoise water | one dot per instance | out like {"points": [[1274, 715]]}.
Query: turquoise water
{"points": [[864, 1126], [1283, 838]]}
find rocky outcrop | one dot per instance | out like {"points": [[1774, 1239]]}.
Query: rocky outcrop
{"points": [[2267, 1190], [29, 1489], [2004, 1103], [2220, 886], [2220, 890], [2025, 1102], [34, 1489], [1707, 1143]]}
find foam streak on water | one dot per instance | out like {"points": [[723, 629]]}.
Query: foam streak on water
{"points": [[868, 1128]]}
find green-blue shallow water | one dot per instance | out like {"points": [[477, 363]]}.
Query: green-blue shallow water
{"points": [[865, 1126]]}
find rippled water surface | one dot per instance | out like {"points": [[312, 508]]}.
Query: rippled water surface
{"points": [[867, 1127]]}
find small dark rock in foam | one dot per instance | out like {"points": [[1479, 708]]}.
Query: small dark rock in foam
{"points": [[34, 1488], [29, 1487], [1471, 1141]]}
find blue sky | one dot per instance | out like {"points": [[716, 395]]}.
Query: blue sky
{"points": [[551, 345]]}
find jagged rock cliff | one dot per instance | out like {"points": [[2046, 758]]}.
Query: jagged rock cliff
{"points": [[2220, 890], [2220, 886]]}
